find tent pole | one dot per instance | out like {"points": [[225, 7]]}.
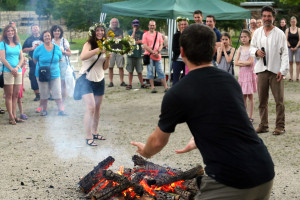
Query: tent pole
{"points": [[171, 30], [102, 17]]}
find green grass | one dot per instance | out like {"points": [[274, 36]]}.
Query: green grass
{"points": [[76, 44]]}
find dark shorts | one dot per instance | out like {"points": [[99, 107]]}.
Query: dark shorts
{"points": [[32, 78], [97, 88]]}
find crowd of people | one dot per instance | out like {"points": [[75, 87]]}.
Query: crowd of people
{"points": [[209, 99]]}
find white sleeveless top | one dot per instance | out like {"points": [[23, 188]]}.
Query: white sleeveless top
{"points": [[96, 74]]}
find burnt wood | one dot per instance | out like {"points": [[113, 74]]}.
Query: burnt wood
{"points": [[94, 176], [186, 195], [139, 161], [186, 175]]}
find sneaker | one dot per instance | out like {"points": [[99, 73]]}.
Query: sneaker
{"points": [[111, 84], [36, 99], [44, 113], [128, 87], [23, 116], [153, 90], [123, 84], [38, 110], [262, 129], [61, 113]]}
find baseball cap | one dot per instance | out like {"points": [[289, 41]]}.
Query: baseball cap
{"points": [[136, 22]]}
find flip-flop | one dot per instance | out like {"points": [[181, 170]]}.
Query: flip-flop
{"points": [[98, 137], [18, 120], [93, 144]]}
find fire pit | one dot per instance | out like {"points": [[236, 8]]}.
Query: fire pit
{"points": [[145, 181]]}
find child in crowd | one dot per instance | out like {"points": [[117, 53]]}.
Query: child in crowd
{"points": [[22, 89], [225, 54], [247, 77]]}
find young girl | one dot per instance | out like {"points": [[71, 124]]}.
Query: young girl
{"points": [[225, 53], [247, 77], [22, 89]]}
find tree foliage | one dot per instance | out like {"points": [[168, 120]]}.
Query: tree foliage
{"points": [[291, 2]]}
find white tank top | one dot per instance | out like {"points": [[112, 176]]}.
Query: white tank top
{"points": [[96, 74]]}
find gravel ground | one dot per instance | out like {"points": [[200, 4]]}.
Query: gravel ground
{"points": [[44, 157]]}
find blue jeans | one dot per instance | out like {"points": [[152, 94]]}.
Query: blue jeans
{"points": [[177, 66], [158, 68]]}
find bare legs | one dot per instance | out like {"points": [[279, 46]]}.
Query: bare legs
{"points": [[111, 74], [291, 71], [63, 90], [92, 114], [297, 70], [251, 104], [11, 98]]}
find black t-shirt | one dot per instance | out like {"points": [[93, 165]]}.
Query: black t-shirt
{"points": [[210, 101], [29, 43]]}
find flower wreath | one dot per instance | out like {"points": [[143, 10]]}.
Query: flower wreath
{"points": [[127, 44], [93, 28], [179, 19]]}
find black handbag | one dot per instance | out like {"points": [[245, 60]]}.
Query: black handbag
{"points": [[2, 75], [146, 58], [44, 71], [2, 78], [80, 81]]}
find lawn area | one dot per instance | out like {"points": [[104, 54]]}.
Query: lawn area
{"points": [[76, 44]]}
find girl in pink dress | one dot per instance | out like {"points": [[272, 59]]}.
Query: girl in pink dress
{"points": [[247, 77]]}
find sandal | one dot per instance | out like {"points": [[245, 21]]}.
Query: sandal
{"points": [[98, 137], [290, 80], [278, 131], [18, 120], [2, 111], [12, 122], [144, 86], [128, 87], [91, 143]]}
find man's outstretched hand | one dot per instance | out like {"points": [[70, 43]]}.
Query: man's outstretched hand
{"points": [[140, 148], [189, 147]]}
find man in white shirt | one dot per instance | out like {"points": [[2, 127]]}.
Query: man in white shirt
{"points": [[272, 64]]}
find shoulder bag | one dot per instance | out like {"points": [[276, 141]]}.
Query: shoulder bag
{"points": [[44, 71], [146, 58], [80, 81]]}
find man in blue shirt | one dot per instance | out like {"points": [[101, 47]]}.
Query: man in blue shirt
{"points": [[211, 22]]}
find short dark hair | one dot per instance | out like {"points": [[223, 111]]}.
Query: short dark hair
{"points": [[268, 9], [53, 28], [197, 12], [198, 42], [211, 16], [42, 35]]}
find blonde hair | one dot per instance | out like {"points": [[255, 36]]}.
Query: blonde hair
{"points": [[293, 17]]}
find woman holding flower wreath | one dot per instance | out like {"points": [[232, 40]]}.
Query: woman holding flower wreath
{"points": [[178, 65], [93, 87]]}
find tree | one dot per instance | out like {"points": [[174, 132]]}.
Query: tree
{"points": [[291, 2]]}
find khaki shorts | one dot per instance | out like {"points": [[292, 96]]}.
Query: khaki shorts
{"points": [[54, 86], [134, 63], [210, 189], [117, 59], [9, 79]]}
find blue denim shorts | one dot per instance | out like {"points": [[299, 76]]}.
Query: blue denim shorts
{"points": [[97, 88], [158, 68]]}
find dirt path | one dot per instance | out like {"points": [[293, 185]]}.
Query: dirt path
{"points": [[44, 157]]}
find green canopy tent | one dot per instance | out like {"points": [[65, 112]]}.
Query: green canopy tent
{"points": [[171, 9]]}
